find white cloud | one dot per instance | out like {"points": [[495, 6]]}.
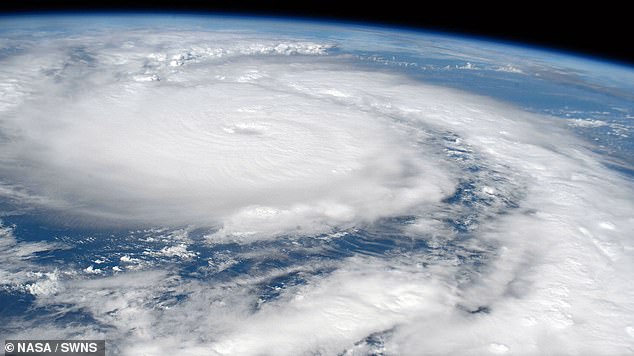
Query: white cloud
{"points": [[186, 150], [18, 272]]}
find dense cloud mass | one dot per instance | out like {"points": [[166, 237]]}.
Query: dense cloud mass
{"points": [[264, 138], [244, 141]]}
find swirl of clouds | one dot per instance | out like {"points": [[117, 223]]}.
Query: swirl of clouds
{"points": [[264, 136]]}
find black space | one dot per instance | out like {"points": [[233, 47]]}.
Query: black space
{"points": [[597, 29]]}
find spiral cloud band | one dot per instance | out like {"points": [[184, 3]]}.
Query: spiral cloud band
{"points": [[264, 138]]}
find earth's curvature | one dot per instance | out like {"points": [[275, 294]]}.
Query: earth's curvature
{"points": [[240, 186]]}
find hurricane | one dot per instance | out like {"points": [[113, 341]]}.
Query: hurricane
{"points": [[239, 186]]}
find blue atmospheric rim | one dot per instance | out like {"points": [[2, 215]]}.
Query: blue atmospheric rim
{"points": [[321, 20]]}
